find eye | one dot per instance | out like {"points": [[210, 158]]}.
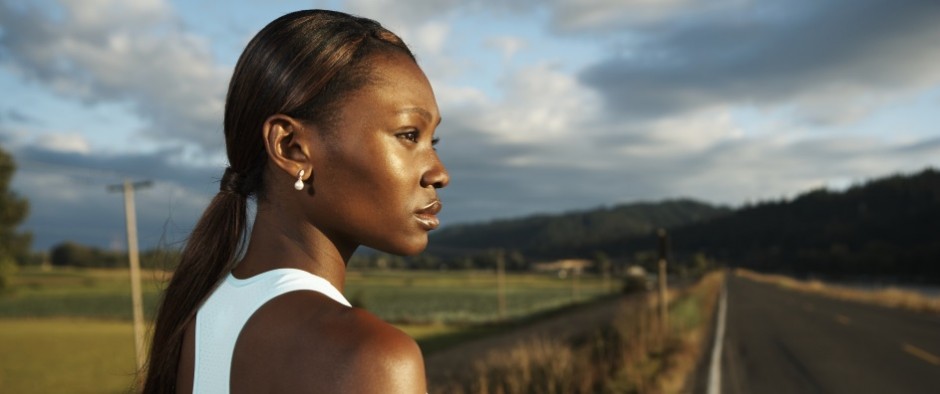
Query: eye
{"points": [[411, 135]]}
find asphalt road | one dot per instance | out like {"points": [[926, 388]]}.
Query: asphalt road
{"points": [[783, 341]]}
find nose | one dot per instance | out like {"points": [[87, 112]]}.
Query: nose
{"points": [[436, 175]]}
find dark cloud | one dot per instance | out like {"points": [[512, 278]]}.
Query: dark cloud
{"points": [[69, 197], [12, 115], [486, 183], [830, 53], [157, 165], [931, 145]]}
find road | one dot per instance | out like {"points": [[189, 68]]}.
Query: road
{"points": [[783, 341]]}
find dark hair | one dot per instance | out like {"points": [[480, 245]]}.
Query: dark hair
{"points": [[302, 65]]}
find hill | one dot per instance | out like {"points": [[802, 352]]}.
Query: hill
{"points": [[885, 227], [564, 235]]}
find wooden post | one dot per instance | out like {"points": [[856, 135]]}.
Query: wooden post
{"points": [[663, 286], [501, 282], [130, 217], [575, 285]]}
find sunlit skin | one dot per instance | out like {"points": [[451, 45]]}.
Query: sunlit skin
{"points": [[371, 181]]}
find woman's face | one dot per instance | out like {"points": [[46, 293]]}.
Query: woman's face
{"points": [[376, 173]]}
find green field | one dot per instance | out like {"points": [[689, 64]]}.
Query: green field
{"points": [[460, 297], [70, 330]]}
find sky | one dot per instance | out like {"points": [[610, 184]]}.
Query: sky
{"points": [[548, 106]]}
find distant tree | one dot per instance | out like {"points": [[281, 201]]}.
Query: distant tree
{"points": [[516, 261], [602, 264], [14, 246], [72, 254], [161, 258]]}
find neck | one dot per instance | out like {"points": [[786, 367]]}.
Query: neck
{"points": [[280, 239]]}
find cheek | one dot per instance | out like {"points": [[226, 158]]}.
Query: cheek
{"points": [[376, 182], [395, 171]]}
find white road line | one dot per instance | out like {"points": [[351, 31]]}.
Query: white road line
{"points": [[714, 372]]}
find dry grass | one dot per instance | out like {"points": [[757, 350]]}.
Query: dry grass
{"points": [[889, 297], [690, 333], [631, 355]]}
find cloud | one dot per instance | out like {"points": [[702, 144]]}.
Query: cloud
{"points": [[602, 16], [487, 182], [66, 143], [13, 115], [507, 45], [114, 51], [833, 61], [69, 197], [430, 38], [829, 62], [540, 105]]}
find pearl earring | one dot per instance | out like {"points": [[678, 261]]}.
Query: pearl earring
{"points": [[299, 185]]}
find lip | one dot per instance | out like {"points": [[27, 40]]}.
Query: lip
{"points": [[427, 216]]}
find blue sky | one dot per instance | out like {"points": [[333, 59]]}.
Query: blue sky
{"points": [[549, 106]]}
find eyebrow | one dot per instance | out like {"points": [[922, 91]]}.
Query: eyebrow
{"points": [[420, 111]]}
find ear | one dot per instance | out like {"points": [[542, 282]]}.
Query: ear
{"points": [[288, 145]]}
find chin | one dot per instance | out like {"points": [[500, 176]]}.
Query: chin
{"points": [[405, 247]]}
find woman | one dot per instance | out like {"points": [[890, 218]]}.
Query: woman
{"points": [[329, 124]]}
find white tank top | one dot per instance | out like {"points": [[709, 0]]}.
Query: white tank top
{"points": [[225, 312]]}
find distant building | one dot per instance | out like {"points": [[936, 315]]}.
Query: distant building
{"points": [[636, 270]]}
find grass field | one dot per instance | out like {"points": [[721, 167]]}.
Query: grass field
{"points": [[65, 355], [70, 330], [86, 294], [461, 297]]}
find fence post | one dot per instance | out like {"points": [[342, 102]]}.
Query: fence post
{"points": [[501, 282], [663, 286]]}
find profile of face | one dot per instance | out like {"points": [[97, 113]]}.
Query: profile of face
{"points": [[376, 174]]}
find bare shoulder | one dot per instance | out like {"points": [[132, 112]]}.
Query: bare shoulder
{"points": [[305, 342], [383, 358]]}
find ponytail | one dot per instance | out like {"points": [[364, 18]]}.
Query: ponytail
{"points": [[209, 255]]}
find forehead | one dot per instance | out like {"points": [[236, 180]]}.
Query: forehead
{"points": [[397, 83]]}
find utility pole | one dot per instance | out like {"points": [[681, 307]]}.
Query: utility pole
{"points": [[663, 307], [130, 217]]}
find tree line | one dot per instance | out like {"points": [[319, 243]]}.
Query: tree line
{"points": [[71, 254]]}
